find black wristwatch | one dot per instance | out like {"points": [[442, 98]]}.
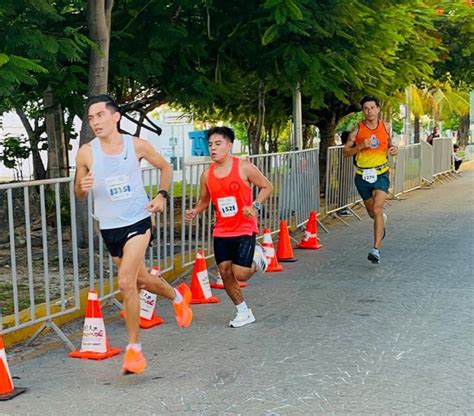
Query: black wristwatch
{"points": [[257, 205], [163, 193]]}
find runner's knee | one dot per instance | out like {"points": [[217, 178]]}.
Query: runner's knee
{"points": [[126, 285], [243, 274], [377, 211]]}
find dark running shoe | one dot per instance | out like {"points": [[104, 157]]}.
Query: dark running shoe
{"points": [[384, 224], [374, 255]]}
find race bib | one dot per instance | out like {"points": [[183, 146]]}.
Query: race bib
{"points": [[227, 206], [369, 175], [118, 187]]}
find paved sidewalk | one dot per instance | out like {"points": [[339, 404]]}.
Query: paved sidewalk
{"points": [[335, 334]]}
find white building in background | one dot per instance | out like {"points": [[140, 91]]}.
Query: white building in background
{"points": [[174, 143]]}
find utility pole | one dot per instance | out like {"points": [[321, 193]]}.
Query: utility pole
{"points": [[297, 119]]}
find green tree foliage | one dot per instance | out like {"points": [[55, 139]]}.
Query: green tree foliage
{"points": [[50, 37], [14, 150], [240, 60], [454, 24]]}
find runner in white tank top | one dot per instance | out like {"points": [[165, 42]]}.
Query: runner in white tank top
{"points": [[109, 167]]}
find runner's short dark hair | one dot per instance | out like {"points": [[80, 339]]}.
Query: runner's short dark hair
{"points": [[226, 132], [368, 98], [110, 103]]}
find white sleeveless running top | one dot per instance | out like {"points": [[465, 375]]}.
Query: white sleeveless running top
{"points": [[119, 194]]}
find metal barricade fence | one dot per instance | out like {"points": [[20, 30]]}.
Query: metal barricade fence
{"points": [[49, 270], [198, 233], [341, 191], [295, 180], [412, 171], [443, 156], [405, 175], [427, 166], [44, 274], [397, 173]]}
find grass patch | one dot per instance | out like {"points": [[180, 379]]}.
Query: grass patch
{"points": [[177, 190], [6, 298]]}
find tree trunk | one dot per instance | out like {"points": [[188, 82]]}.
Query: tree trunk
{"points": [[39, 171], [251, 135], [255, 143], [99, 14], [327, 129], [416, 126], [463, 131], [274, 135], [57, 157], [308, 134]]}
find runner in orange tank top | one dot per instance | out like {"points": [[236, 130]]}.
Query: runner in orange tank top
{"points": [[227, 183], [371, 145]]}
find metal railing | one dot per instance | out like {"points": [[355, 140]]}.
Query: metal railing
{"points": [[44, 274], [295, 179], [340, 189], [408, 168], [47, 269], [198, 233], [427, 168], [412, 173], [442, 156], [397, 172], [406, 175]]}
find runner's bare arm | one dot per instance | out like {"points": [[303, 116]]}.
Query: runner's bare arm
{"points": [[204, 198], [257, 178], [83, 180], [145, 150], [350, 148]]}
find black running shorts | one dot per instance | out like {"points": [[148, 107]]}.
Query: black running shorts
{"points": [[116, 238], [239, 250]]}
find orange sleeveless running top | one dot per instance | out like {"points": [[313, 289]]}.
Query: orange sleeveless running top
{"points": [[377, 154], [230, 195]]}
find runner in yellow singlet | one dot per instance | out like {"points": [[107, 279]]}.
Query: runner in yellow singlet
{"points": [[371, 144]]}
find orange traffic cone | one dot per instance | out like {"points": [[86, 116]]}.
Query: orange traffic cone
{"points": [[148, 317], [7, 390], [310, 236], [95, 345], [219, 284], [284, 250], [269, 250], [200, 288]]}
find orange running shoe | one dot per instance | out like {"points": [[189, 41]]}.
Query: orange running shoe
{"points": [[183, 313], [134, 362], [184, 289]]}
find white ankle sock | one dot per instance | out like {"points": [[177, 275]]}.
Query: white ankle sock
{"points": [[242, 307], [136, 347], [178, 297]]}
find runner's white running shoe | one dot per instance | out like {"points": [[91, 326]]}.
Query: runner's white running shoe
{"points": [[242, 318], [260, 259], [374, 255]]}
